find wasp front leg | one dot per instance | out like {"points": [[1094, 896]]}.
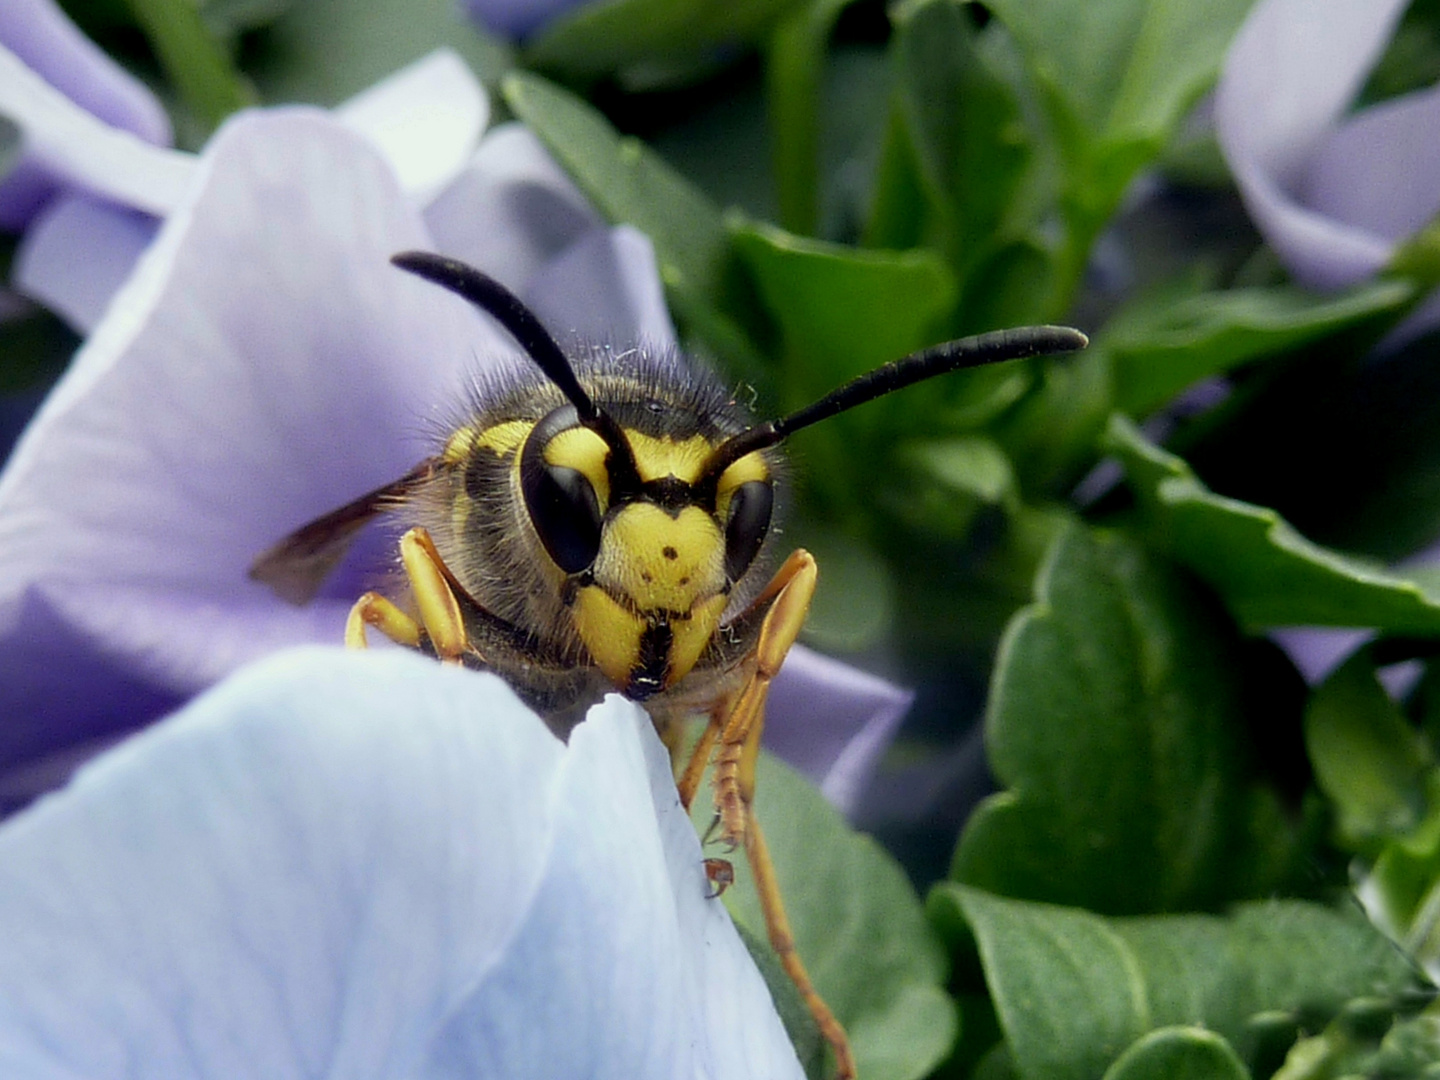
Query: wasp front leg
{"points": [[789, 594], [440, 619]]}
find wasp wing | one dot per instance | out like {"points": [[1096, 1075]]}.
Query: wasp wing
{"points": [[298, 565]]}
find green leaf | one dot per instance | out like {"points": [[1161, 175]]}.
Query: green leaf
{"points": [[1368, 759], [194, 61], [1116, 77], [631, 184], [858, 925], [947, 482], [324, 51], [1268, 574], [1114, 720], [794, 73], [854, 606], [1178, 1053], [1160, 349], [843, 310], [598, 38], [968, 133], [1073, 990], [1052, 432]]}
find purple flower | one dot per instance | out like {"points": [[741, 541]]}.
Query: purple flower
{"points": [[373, 866], [262, 364], [39, 35], [1332, 193], [516, 18]]}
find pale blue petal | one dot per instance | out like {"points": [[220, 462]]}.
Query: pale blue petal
{"points": [[47, 42], [626, 969], [302, 874], [426, 120], [516, 18]]}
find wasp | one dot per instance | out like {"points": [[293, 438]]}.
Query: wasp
{"points": [[606, 522]]}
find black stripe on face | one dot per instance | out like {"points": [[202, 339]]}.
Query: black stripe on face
{"points": [[647, 676]]}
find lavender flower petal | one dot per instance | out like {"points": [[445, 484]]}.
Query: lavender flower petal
{"points": [[1380, 171], [605, 287], [1291, 71], [511, 211], [425, 118], [78, 149], [264, 363], [40, 35], [77, 253], [833, 722]]}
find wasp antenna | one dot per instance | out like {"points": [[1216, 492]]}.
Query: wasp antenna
{"points": [[510, 312], [970, 352]]}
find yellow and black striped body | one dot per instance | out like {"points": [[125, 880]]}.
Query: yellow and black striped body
{"points": [[652, 613]]}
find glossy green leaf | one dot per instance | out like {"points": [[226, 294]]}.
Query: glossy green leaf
{"points": [[608, 35], [1368, 760], [1113, 725], [1178, 1053], [1267, 573], [859, 926], [324, 51], [1160, 349], [1073, 990]]}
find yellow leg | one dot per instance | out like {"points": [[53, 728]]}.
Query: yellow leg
{"points": [[372, 609], [440, 615], [783, 942], [689, 781], [792, 589]]}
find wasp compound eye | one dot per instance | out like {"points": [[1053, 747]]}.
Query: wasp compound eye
{"points": [[746, 523], [566, 514], [560, 499]]}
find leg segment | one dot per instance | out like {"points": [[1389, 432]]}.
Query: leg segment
{"points": [[792, 588], [440, 619], [739, 737]]}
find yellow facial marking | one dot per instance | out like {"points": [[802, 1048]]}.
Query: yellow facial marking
{"points": [[658, 458], [660, 563], [580, 448], [501, 439], [750, 467], [610, 632], [692, 636]]}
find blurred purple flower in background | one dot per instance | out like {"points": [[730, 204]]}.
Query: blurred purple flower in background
{"points": [[1331, 193], [39, 35], [264, 363], [516, 18], [373, 866]]}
